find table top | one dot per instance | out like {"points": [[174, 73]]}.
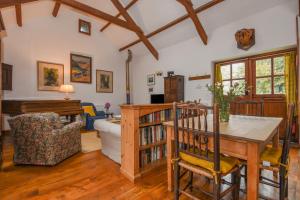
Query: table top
{"points": [[250, 128]]}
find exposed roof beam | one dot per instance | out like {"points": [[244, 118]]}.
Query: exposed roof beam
{"points": [[119, 14], [2, 26], [19, 14], [174, 22], [56, 8], [140, 33], [8, 3], [190, 10], [99, 14]]}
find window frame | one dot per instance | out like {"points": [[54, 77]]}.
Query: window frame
{"points": [[250, 72], [272, 76]]}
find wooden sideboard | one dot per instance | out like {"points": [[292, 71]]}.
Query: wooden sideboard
{"points": [[137, 122], [62, 107]]}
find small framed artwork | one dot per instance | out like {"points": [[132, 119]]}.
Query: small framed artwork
{"points": [[104, 81], [151, 79], [81, 69], [50, 76], [150, 90], [85, 27]]}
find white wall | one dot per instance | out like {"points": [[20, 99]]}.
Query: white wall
{"points": [[275, 28], [52, 39]]}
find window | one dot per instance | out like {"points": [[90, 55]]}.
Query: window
{"points": [[263, 75], [233, 73], [269, 76]]}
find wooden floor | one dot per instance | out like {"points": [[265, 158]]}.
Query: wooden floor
{"points": [[94, 176]]}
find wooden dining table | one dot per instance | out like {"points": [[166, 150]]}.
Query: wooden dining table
{"points": [[243, 137]]}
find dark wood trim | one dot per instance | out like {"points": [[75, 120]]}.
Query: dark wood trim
{"points": [[56, 8], [2, 25], [8, 3], [193, 78], [80, 23], [193, 15], [119, 14], [99, 14], [91, 64], [174, 22], [18, 8], [140, 33]]}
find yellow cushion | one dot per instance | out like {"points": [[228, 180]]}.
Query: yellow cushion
{"points": [[271, 155], [227, 163], [89, 110]]}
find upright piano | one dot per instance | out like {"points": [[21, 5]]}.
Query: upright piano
{"points": [[62, 107]]}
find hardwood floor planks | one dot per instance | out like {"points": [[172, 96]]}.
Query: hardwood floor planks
{"points": [[93, 176]]}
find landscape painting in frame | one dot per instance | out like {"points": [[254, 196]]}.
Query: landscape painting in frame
{"points": [[104, 80], [50, 76], [81, 69]]}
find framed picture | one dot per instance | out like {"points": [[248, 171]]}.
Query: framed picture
{"points": [[81, 69], [50, 76], [104, 81], [85, 27], [151, 79]]}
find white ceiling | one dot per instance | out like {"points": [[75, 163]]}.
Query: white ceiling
{"points": [[152, 14]]}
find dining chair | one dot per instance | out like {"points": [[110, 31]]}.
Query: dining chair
{"points": [[197, 151], [249, 107], [278, 160]]}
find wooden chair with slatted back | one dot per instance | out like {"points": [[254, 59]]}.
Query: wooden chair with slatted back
{"points": [[249, 107], [197, 151], [278, 160]]}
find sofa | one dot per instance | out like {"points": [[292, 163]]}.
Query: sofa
{"points": [[41, 139], [110, 134], [91, 114]]}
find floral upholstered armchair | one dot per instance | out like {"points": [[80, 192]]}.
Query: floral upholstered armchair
{"points": [[41, 139]]}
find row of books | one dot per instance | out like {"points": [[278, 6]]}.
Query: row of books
{"points": [[159, 116], [152, 134], [153, 154]]}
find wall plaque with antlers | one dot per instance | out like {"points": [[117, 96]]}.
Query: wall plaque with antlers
{"points": [[245, 38]]}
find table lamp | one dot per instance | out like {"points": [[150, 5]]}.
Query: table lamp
{"points": [[67, 89]]}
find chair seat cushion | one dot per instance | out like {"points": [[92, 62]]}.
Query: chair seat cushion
{"points": [[271, 155], [89, 110], [226, 163]]}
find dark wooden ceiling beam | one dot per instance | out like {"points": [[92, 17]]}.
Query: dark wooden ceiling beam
{"points": [[119, 14], [8, 3], [174, 22], [56, 8], [99, 14], [139, 33], [18, 8], [190, 10], [2, 26]]}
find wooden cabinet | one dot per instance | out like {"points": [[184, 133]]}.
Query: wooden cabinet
{"points": [[6, 77], [174, 88]]}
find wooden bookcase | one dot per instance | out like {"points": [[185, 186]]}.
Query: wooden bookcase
{"points": [[134, 149]]}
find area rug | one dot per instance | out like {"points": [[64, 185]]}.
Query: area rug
{"points": [[90, 141]]}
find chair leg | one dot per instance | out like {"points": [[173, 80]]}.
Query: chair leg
{"points": [[235, 179], [176, 180], [287, 188], [217, 189], [281, 187], [191, 179]]}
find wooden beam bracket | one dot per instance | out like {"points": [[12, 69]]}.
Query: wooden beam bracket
{"points": [[56, 8]]}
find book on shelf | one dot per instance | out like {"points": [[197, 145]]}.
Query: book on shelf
{"points": [[156, 117], [152, 134], [153, 154]]}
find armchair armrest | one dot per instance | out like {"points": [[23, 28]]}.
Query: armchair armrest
{"points": [[100, 113]]}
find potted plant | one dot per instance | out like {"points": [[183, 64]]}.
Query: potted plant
{"points": [[225, 98]]}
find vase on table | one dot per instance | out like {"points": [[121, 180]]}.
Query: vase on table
{"points": [[224, 113]]}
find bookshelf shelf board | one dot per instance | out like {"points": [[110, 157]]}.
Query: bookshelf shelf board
{"points": [[143, 147], [150, 124], [147, 168]]}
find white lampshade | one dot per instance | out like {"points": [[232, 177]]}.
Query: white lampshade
{"points": [[67, 88]]}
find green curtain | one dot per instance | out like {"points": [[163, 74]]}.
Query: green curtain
{"points": [[290, 78], [218, 74]]}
